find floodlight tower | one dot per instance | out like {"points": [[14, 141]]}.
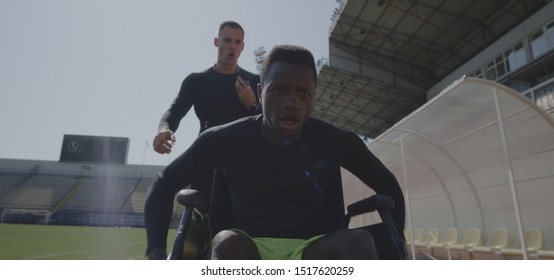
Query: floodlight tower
{"points": [[260, 57]]}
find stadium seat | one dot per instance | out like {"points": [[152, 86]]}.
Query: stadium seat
{"points": [[498, 239], [431, 237], [418, 236], [408, 236], [545, 254], [200, 221], [472, 237], [449, 238], [533, 241]]}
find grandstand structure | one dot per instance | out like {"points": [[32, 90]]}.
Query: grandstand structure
{"points": [[457, 99], [389, 57], [74, 193]]}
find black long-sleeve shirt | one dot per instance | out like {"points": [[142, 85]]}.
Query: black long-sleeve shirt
{"points": [[276, 191], [214, 97]]}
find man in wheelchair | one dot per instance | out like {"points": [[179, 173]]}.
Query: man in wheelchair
{"points": [[278, 169]]}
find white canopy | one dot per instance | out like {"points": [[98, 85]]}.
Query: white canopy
{"points": [[477, 155]]}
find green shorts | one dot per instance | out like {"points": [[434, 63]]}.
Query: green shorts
{"points": [[271, 248]]}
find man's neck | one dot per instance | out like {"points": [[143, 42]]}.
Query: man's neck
{"points": [[231, 69], [273, 136]]}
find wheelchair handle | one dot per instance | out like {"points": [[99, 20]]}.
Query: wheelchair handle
{"points": [[370, 204], [192, 200], [188, 197]]}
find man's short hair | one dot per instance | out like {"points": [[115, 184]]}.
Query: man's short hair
{"points": [[291, 54], [231, 24]]}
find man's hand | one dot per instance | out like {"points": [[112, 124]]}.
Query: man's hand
{"points": [[164, 141], [245, 93], [157, 253]]}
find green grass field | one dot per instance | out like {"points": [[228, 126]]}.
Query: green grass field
{"points": [[41, 242]]}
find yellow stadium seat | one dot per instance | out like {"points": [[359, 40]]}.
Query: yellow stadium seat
{"points": [[449, 238], [533, 241], [472, 237], [498, 239], [545, 254], [431, 237], [418, 236]]}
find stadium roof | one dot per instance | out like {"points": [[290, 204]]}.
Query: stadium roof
{"points": [[385, 55]]}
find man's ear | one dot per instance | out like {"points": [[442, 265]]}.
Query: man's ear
{"points": [[216, 41], [259, 88]]}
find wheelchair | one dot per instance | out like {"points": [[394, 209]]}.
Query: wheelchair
{"points": [[200, 221]]}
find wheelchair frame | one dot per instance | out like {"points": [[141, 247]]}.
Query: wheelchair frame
{"points": [[194, 231]]}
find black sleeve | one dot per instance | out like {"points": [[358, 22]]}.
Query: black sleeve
{"points": [[368, 168], [177, 175], [180, 105]]}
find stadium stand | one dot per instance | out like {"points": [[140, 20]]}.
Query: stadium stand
{"points": [[74, 193], [7, 179], [39, 192], [107, 194], [135, 202]]}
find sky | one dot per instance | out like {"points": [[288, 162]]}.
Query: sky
{"points": [[112, 67]]}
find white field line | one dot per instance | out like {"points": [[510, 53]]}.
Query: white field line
{"points": [[83, 251]]}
